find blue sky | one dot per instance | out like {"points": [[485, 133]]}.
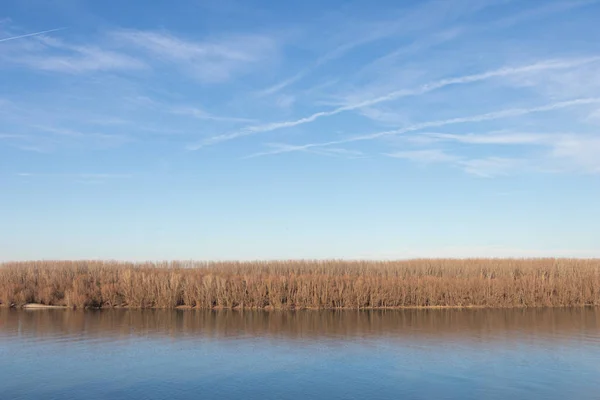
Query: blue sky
{"points": [[268, 129]]}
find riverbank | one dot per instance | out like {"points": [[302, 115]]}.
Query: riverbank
{"points": [[425, 283]]}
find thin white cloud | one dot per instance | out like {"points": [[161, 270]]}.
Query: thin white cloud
{"points": [[564, 150], [183, 109], [512, 112], [278, 149], [48, 138], [285, 101], [425, 16], [339, 152], [329, 56], [508, 113], [34, 148], [423, 89], [427, 156], [281, 85], [52, 54], [418, 45], [594, 116], [208, 61], [332, 55], [319, 87], [31, 34], [384, 117], [12, 136], [486, 167], [190, 110], [495, 138], [559, 152], [330, 151], [578, 152], [379, 64], [202, 114], [86, 59], [58, 131], [544, 10]]}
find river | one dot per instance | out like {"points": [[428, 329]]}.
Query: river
{"points": [[402, 354]]}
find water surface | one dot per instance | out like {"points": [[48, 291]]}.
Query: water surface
{"points": [[410, 354]]}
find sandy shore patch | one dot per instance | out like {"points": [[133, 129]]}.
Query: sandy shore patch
{"points": [[34, 306]]}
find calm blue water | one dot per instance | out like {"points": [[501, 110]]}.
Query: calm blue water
{"points": [[436, 354]]}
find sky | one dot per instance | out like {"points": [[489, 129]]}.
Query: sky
{"points": [[220, 130]]}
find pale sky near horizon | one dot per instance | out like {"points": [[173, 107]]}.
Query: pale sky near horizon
{"points": [[266, 129]]}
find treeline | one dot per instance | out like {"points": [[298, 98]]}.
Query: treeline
{"points": [[304, 284]]}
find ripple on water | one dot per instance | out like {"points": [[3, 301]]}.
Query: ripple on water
{"points": [[181, 354]]}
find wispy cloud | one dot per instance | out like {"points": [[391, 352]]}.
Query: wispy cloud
{"points": [[538, 12], [330, 151], [211, 61], [426, 16], [208, 61], [495, 138], [11, 136], [339, 152], [282, 85], [384, 62], [329, 56], [425, 156], [558, 152], [594, 115], [579, 152], [285, 101], [383, 116], [31, 34], [48, 138], [202, 114], [279, 148], [86, 59], [23, 142], [423, 89], [58, 131], [52, 54], [193, 110], [507, 113], [488, 167], [484, 167], [386, 65]]}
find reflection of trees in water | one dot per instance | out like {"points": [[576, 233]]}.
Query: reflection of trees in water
{"points": [[485, 324]]}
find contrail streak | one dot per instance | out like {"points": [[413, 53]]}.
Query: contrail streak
{"points": [[30, 34], [423, 89], [512, 112]]}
